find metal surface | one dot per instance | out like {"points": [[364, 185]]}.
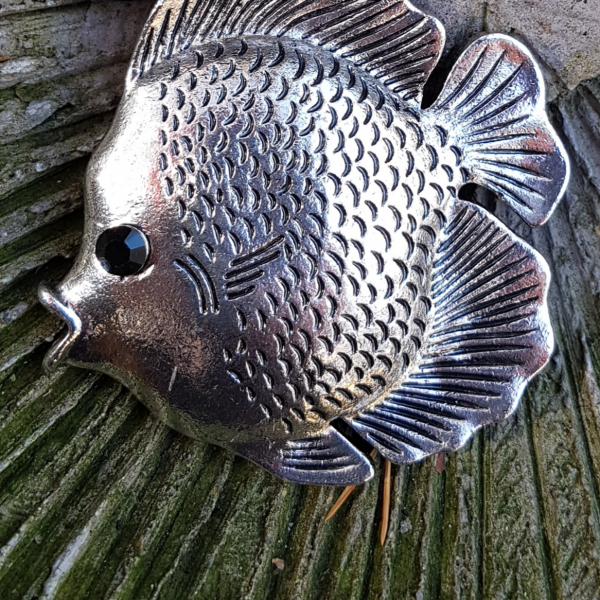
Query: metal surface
{"points": [[310, 260]]}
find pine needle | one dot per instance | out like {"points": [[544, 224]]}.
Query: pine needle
{"points": [[340, 501], [344, 495], [387, 492]]}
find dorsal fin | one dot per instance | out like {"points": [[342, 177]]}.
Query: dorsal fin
{"points": [[390, 39]]}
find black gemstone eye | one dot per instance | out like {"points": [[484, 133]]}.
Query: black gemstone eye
{"points": [[123, 250]]}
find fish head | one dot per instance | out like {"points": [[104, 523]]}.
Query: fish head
{"points": [[119, 299]]}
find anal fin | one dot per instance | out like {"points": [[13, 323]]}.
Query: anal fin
{"points": [[329, 459], [489, 333]]}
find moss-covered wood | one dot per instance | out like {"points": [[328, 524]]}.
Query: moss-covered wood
{"points": [[98, 500]]}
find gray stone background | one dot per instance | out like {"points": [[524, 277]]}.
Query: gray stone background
{"points": [[98, 500], [564, 34]]}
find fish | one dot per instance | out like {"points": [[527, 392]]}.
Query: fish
{"points": [[275, 256]]}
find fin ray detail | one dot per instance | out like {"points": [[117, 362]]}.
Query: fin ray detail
{"points": [[329, 459], [511, 148], [481, 348], [390, 39]]}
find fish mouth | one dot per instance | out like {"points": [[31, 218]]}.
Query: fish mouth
{"points": [[51, 299]]}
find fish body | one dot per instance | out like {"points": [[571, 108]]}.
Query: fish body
{"points": [[306, 258], [311, 211]]}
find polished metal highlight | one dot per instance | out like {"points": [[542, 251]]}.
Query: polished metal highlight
{"points": [[303, 258]]}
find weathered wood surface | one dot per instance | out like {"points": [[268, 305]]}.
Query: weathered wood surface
{"points": [[98, 500]]}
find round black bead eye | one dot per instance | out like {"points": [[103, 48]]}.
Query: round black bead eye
{"points": [[123, 250]]}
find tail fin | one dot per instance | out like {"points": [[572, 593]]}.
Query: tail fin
{"points": [[494, 104]]}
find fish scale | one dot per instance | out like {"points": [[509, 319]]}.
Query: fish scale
{"points": [[336, 359], [274, 240]]}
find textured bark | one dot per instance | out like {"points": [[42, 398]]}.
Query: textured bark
{"points": [[98, 500]]}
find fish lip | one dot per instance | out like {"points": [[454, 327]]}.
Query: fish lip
{"points": [[51, 299]]}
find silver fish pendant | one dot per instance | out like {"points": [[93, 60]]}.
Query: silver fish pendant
{"points": [[274, 242]]}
